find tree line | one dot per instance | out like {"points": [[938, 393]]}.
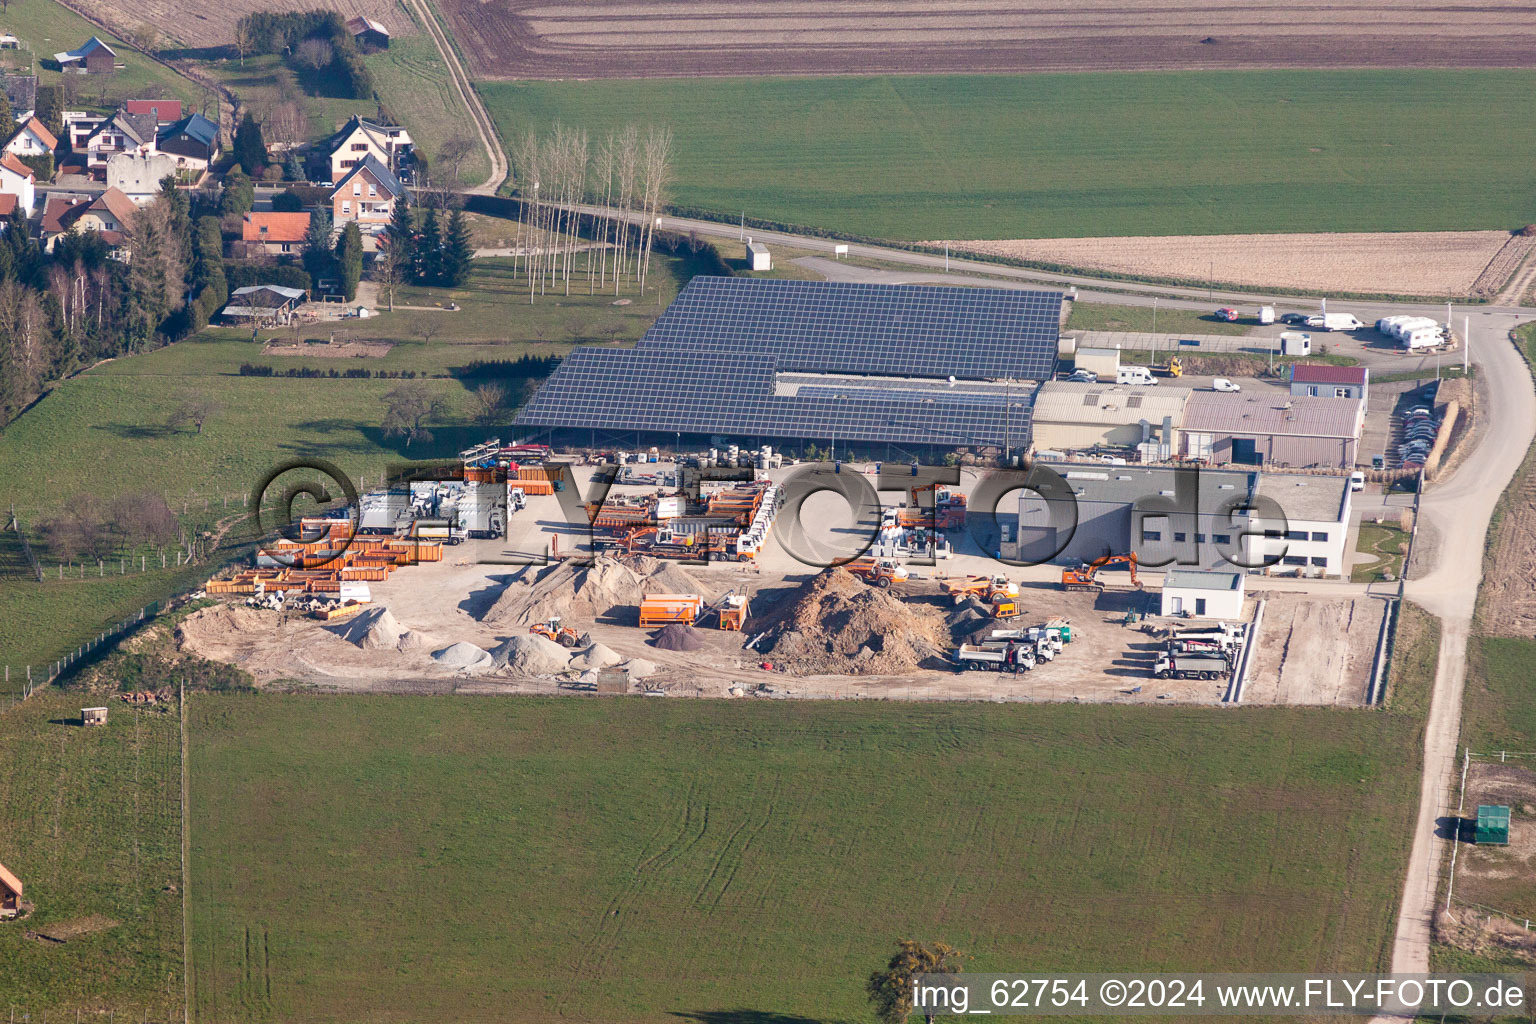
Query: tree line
{"points": [[625, 177]]}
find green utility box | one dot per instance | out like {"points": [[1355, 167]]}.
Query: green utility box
{"points": [[1492, 825]]}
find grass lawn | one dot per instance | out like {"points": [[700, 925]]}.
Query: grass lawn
{"points": [[46, 28], [1061, 155], [394, 857], [1415, 657], [1527, 335], [262, 79], [1388, 543], [1103, 316], [413, 84], [90, 822], [1500, 704]]}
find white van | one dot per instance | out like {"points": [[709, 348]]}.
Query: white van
{"points": [[1135, 375], [1341, 322]]}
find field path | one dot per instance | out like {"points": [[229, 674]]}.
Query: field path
{"points": [[484, 127]]}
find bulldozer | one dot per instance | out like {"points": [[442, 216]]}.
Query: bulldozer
{"points": [[1083, 577], [557, 631]]}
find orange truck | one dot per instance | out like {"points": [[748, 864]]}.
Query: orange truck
{"points": [[877, 572], [665, 609], [989, 588]]}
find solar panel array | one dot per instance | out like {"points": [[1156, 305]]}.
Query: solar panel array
{"points": [[709, 364]]}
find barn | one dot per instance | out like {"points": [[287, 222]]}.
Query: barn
{"points": [[93, 58], [10, 893], [368, 34]]}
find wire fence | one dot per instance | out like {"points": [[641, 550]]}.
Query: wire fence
{"points": [[1469, 757], [31, 678]]}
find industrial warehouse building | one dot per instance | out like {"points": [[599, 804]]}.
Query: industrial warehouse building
{"points": [[1123, 509], [1077, 416], [1272, 430], [866, 368]]}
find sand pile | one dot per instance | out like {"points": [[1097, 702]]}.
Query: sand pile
{"points": [[530, 655], [595, 657], [677, 637], [371, 629], [580, 595], [217, 622], [412, 641], [639, 668], [463, 655], [836, 623]]}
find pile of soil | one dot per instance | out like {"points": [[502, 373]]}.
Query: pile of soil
{"points": [[463, 655], [639, 668], [836, 623], [371, 630], [530, 655], [595, 657], [677, 637], [970, 617], [579, 595], [413, 640]]}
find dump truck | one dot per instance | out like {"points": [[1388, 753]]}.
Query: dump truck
{"points": [[1083, 577], [877, 572], [991, 589], [1039, 636], [1007, 658], [1191, 666], [665, 609]]}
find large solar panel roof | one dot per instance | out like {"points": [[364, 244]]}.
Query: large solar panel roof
{"points": [[765, 358]]}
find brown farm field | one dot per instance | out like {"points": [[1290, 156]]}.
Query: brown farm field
{"points": [[204, 24], [1429, 263], [679, 38]]}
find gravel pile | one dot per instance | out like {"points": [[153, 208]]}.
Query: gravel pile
{"points": [[677, 637], [530, 655], [463, 655]]}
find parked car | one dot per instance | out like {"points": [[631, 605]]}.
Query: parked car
{"points": [[1228, 314], [1294, 318], [1357, 481], [1316, 320], [1083, 377], [1223, 384]]}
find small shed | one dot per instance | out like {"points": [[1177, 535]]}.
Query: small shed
{"points": [[1492, 825], [94, 57], [263, 303], [93, 716], [368, 33], [1295, 343], [1206, 595], [10, 893], [1103, 361], [757, 256]]}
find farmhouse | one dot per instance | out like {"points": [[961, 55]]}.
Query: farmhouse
{"points": [[833, 363], [10, 893], [16, 179], [359, 139], [1319, 380], [93, 58], [273, 233], [1071, 416], [263, 304], [193, 141], [367, 194], [368, 33], [32, 138], [1255, 430], [1216, 595]]}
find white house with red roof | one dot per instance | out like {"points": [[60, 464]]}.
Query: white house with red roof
{"points": [[17, 179], [1320, 380]]}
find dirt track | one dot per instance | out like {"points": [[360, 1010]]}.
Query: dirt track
{"points": [[1314, 651], [617, 39]]}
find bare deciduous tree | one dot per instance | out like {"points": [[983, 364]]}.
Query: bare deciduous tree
{"points": [[196, 410], [407, 409], [489, 401], [315, 53]]}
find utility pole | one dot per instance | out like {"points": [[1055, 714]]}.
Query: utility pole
{"points": [[1466, 344]]}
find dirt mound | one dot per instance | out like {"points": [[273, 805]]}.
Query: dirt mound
{"points": [[221, 620], [595, 657], [971, 616], [578, 594], [463, 655], [639, 668], [371, 629], [677, 637], [412, 641], [838, 624], [531, 655]]}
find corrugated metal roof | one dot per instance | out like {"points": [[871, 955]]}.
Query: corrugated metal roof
{"points": [[1245, 413], [1323, 373], [1191, 579], [1108, 404]]}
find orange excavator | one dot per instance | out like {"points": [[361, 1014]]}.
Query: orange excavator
{"points": [[1082, 578]]}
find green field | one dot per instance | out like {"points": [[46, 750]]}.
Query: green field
{"points": [[90, 823], [395, 858], [1108, 316], [1210, 152]]}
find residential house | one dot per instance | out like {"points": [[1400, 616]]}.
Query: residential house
{"points": [[60, 213], [263, 304], [111, 215], [273, 233], [122, 132], [368, 33], [16, 179], [1319, 380], [32, 138], [80, 125], [165, 111], [193, 141], [94, 58], [1264, 429], [10, 893], [138, 175], [359, 139], [367, 194]]}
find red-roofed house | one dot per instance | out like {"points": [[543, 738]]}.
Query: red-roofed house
{"points": [[32, 138], [275, 233], [165, 111], [16, 179], [1320, 380], [59, 213], [10, 893]]}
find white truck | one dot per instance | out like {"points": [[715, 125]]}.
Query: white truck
{"points": [[1135, 375], [1018, 658], [1341, 322], [1190, 666]]}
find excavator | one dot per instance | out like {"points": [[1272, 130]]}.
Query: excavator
{"points": [[1082, 578], [555, 630]]}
